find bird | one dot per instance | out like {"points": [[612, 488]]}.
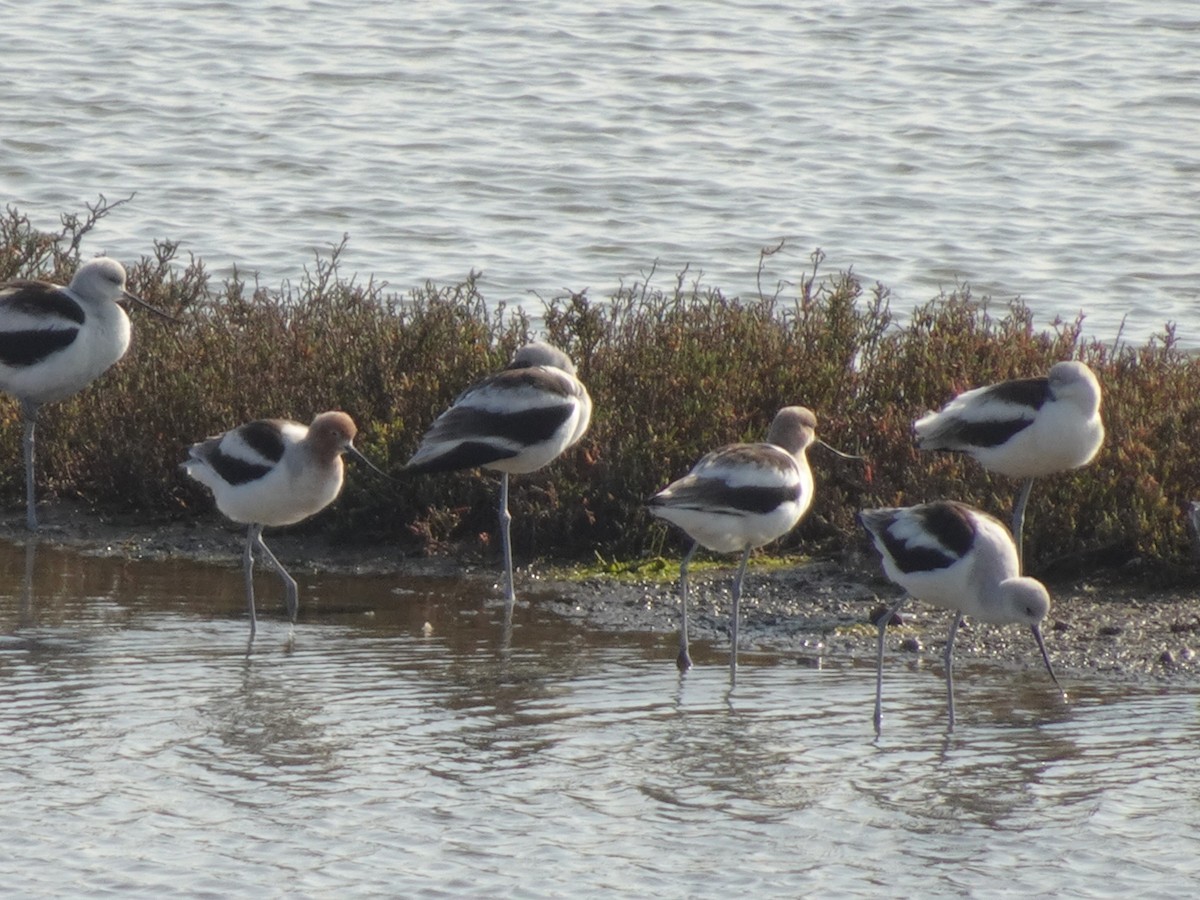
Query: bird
{"points": [[55, 341], [1023, 428], [737, 498], [514, 422], [272, 472], [961, 559]]}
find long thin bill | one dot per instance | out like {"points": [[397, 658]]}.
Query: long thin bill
{"points": [[134, 298], [357, 454], [838, 452], [1037, 634]]}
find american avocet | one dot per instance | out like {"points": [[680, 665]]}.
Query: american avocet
{"points": [[54, 341], [512, 422], [740, 497], [1022, 428], [274, 472], [960, 559]]}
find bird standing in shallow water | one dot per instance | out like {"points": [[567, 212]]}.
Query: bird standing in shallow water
{"points": [[274, 472], [54, 341], [1022, 428], [740, 497], [960, 559], [512, 422]]}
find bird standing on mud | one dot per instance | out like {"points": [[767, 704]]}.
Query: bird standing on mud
{"points": [[512, 422], [274, 472], [1022, 428], [55, 341], [960, 559], [737, 498]]}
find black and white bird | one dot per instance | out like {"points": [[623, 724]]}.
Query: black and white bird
{"points": [[956, 557], [54, 341], [1022, 428], [512, 422], [274, 472], [737, 498]]}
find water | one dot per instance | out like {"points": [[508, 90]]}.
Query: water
{"points": [[1048, 150], [143, 752]]}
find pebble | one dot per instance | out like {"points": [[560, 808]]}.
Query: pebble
{"points": [[878, 612]]}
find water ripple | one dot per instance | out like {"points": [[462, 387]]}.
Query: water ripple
{"points": [[1008, 145]]}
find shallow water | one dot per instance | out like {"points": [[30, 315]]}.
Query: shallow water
{"points": [[143, 751], [1048, 150]]}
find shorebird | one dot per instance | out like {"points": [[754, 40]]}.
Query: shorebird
{"points": [[274, 472], [1022, 428], [513, 422], [737, 498], [956, 557], [55, 340]]}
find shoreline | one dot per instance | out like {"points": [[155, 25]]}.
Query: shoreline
{"points": [[813, 611]]}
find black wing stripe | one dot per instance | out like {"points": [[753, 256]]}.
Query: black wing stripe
{"points": [[27, 348], [915, 559], [263, 437], [719, 496], [525, 427], [983, 434], [467, 455], [949, 523], [233, 469], [36, 298], [1031, 392]]}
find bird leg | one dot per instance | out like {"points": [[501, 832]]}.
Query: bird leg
{"points": [[253, 535], [735, 612], [510, 594], [289, 583], [1018, 523], [948, 661], [883, 624], [27, 582], [684, 659], [29, 420]]}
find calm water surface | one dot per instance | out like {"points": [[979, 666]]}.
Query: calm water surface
{"points": [[1048, 150], [142, 751]]}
